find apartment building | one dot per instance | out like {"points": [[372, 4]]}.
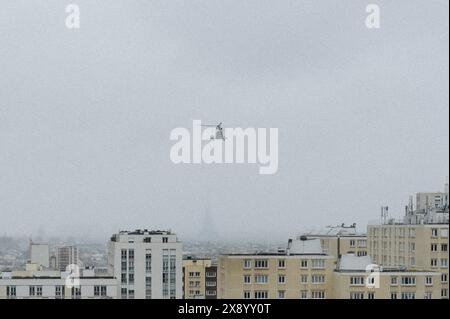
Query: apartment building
{"points": [[38, 284], [301, 271], [66, 255], [353, 280], [199, 278], [340, 240], [148, 264], [39, 254], [419, 242]]}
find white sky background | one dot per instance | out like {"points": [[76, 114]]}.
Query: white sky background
{"points": [[85, 115]]}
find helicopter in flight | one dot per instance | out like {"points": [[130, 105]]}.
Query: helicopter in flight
{"points": [[219, 131]]}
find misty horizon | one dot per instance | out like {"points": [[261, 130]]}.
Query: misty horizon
{"points": [[86, 115]]}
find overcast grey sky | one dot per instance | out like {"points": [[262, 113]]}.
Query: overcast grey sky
{"points": [[85, 115]]}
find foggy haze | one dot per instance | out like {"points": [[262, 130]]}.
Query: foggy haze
{"points": [[86, 115]]}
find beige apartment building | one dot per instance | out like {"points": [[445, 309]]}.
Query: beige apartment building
{"points": [[353, 281], [301, 271], [199, 278], [419, 242], [341, 240]]}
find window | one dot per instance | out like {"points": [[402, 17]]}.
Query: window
{"points": [[76, 293], [428, 295], [59, 292], [303, 279], [281, 263], [429, 281], [281, 294], [352, 243], [124, 254], [32, 290], [408, 295], [356, 295], [247, 294], [147, 240], [261, 294], [434, 232], [412, 247], [304, 263], [362, 243], [444, 262], [318, 263], [362, 253], [304, 294], [247, 279], [247, 263], [123, 278], [261, 279], [100, 291], [434, 262], [96, 291], [131, 279], [444, 278], [444, 232], [356, 281], [317, 279], [408, 281], [444, 247], [11, 292], [148, 261], [131, 254], [444, 293], [123, 293], [281, 279], [165, 239], [393, 295], [434, 247], [261, 263], [318, 294], [370, 295]]}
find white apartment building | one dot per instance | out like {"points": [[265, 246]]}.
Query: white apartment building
{"points": [[147, 264], [37, 284]]}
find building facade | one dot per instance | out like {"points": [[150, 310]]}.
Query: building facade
{"points": [[199, 278], [53, 285], [147, 264], [300, 273], [66, 255], [357, 278], [341, 240], [419, 242]]}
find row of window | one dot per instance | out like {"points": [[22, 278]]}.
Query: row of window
{"points": [[263, 279], [264, 263], [406, 232], [435, 247], [36, 291], [264, 294]]}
